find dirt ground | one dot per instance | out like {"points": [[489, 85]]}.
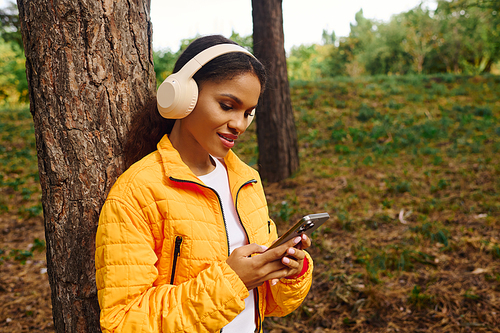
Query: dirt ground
{"points": [[339, 294], [25, 304], [413, 243]]}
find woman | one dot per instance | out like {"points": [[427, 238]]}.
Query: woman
{"points": [[182, 237]]}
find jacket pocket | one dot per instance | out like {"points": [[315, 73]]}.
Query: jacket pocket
{"points": [[177, 252]]}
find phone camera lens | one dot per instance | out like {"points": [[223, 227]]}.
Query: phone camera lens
{"points": [[306, 226]]}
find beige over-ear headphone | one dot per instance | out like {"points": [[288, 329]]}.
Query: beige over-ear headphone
{"points": [[177, 95]]}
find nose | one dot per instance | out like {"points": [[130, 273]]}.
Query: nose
{"points": [[239, 122]]}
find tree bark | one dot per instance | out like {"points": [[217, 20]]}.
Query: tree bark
{"points": [[276, 133], [89, 66]]}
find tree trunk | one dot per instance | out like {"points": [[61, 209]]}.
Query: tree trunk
{"points": [[276, 133], [89, 66]]}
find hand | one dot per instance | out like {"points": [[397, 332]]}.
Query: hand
{"points": [[305, 242], [283, 261]]}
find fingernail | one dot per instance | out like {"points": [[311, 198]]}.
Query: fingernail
{"points": [[291, 251], [286, 260], [264, 248], [304, 236], [273, 282], [296, 240]]}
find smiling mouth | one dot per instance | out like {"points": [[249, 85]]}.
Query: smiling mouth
{"points": [[225, 137]]}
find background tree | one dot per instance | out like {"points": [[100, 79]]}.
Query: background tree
{"points": [[420, 36], [13, 84], [307, 63], [471, 34], [89, 66], [9, 24], [385, 54], [460, 36], [276, 133]]}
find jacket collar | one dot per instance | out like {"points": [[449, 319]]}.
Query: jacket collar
{"points": [[239, 173]]}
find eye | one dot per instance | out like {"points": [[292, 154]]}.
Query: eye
{"points": [[250, 114], [225, 107]]}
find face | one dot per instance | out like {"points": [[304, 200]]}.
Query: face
{"points": [[222, 114]]}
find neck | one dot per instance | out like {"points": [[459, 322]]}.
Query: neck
{"points": [[194, 156]]}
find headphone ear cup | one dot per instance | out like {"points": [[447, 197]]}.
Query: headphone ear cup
{"points": [[177, 97]]}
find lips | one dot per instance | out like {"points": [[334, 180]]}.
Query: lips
{"points": [[227, 139]]}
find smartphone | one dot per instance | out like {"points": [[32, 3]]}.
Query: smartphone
{"points": [[307, 225]]}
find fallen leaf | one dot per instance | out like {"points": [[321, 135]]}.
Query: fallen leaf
{"points": [[401, 216], [479, 271]]}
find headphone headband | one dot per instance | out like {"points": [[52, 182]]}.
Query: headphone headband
{"points": [[177, 95], [202, 58]]}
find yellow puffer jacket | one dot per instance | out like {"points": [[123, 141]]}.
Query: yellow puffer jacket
{"points": [[162, 249]]}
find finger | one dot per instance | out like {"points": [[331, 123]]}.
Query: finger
{"points": [[295, 253], [282, 273], [247, 250], [278, 252], [305, 242], [275, 268], [293, 242], [288, 262]]}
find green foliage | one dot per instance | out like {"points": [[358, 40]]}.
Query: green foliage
{"points": [[10, 30], [388, 259], [22, 255], [245, 41], [309, 62], [32, 211], [365, 113], [38, 245], [18, 163], [16, 254], [286, 211], [164, 61], [421, 300], [410, 185], [13, 84], [433, 232], [460, 36], [469, 32]]}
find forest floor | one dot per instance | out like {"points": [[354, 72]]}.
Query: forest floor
{"points": [[407, 167], [25, 304]]}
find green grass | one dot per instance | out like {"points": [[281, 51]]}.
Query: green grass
{"points": [[19, 180], [379, 151], [408, 168]]}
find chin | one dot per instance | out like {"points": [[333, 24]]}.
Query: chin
{"points": [[220, 153]]}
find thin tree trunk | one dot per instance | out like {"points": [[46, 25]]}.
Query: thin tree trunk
{"points": [[277, 136], [89, 66]]}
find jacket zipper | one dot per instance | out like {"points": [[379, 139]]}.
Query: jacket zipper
{"points": [[236, 205], [177, 251], [220, 205], [243, 226], [225, 227]]}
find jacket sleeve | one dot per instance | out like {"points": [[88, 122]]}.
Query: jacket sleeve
{"points": [[125, 276], [288, 294]]}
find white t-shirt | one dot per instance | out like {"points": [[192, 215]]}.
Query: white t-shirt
{"points": [[219, 181]]}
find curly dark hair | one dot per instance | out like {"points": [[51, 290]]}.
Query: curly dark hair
{"points": [[148, 127]]}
